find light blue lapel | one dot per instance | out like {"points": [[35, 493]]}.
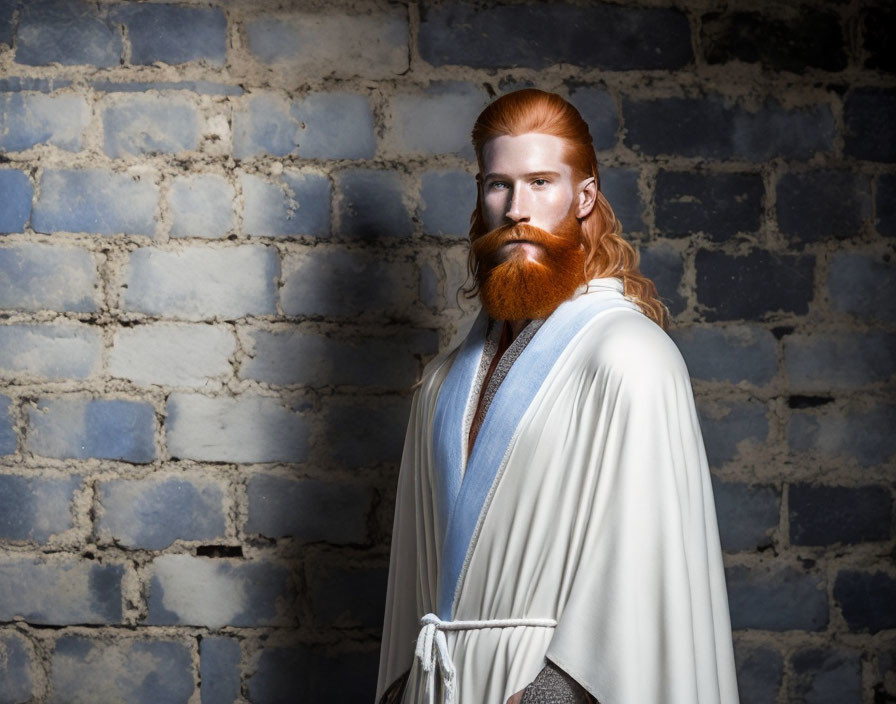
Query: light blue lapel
{"points": [[462, 501]]}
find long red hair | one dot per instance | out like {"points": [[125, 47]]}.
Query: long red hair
{"points": [[606, 252]]}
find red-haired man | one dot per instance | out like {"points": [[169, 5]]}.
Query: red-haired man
{"points": [[555, 537]]}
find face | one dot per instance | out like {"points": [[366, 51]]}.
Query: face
{"points": [[532, 258], [526, 181]]}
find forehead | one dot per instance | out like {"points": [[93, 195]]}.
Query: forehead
{"points": [[525, 153]]}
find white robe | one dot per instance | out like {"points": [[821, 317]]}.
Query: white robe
{"points": [[586, 500]]}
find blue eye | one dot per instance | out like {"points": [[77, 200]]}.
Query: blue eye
{"points": [[540, 182]]}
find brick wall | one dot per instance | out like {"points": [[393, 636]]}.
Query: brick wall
{"points": [[233, 234]]}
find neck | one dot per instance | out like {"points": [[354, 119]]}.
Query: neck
{"points": [[514, 328]]}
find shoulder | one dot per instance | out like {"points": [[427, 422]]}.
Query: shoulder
{"points": [[623, 341]]}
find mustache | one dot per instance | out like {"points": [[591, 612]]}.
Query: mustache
{"points": [[566, 236]]}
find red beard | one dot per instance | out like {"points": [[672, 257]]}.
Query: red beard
{"points": [[518, 288]]}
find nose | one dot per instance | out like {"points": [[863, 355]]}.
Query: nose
{"points": [[518, 208]]}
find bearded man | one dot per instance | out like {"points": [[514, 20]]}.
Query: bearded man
{"points": [[555, 537]]}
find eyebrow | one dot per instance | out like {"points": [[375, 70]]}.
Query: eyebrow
{"points": [[533, 174]]}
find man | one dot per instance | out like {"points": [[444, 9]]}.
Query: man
{"points": [[555, 537]]}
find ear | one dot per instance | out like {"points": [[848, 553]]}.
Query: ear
{"points": [[586, 198]]}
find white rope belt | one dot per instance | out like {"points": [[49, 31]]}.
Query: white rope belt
{"points": [[432, 646]]}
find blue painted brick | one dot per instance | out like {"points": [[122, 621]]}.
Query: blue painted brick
{"points": [[47, 277], [103, 428], [314, 43], [449, 198], [438, 120], [866, 600], [865, 435], [826, 676], [35, 508], [156, 671], [334, 282], [863, 285], [726, 425], [48, 351], [201, 206], [15, 200], [816, 362], [16, 684], [7, 431], [174, 34], [664, 266], [197, 283], [219, 670], [28, 119], [60, 592], [313, 674], [735, 353], [759, 674], [153, 513], [296, 203], [240, 429], [537, 36], [870, 132], [379, 431], [824, 515], [197, 591], [885, 205], [752, 285], [721, 205], [69, 33], [44, 85], [776, 599], [318, 126], [711, 127], [620, 188], [348, 598], [747, 514], [7, 8], [95, 201], [297, 357], [149, 124], [200, 87], [846, 198], [598, 108], [371, 205], [308, 509]]}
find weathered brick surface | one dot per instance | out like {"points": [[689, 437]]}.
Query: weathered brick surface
{"points": [[171, 354], [530, 36], [132, 670], [194, 283], [115, 429], [47, 277], [174, 34], [793, 41], [776, 599], [153, 513], [202, 592], [307, 509], [60, 591], [95, 201], [866, 599], [826, 676], [55, 352], [823, 515], [248, 428], [149, 124], [720, 205], [16, 192], [36, 508], [28, 119], [219, 668], [233, 233]]}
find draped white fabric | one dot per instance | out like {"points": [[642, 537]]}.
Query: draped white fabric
{"points": [[599, 516]]}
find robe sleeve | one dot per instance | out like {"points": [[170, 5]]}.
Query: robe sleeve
{"points": [[400, 624], [646, 619]]}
